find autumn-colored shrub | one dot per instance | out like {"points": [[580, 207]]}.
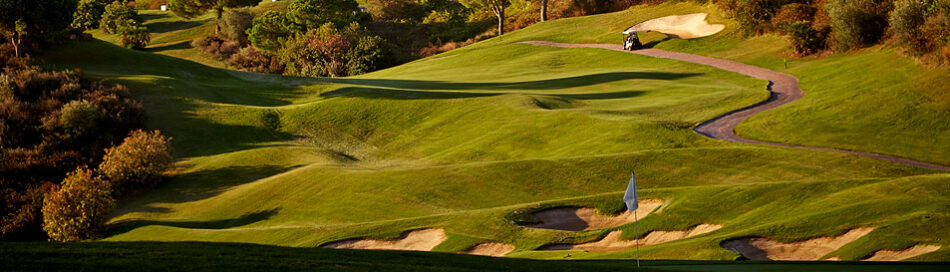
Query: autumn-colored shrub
{"points": [[79, 208], [251, 60], [139, 160], [216, 46], [50, 124]]}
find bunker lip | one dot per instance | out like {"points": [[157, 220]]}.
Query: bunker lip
{"points": [[687, 26], [758, 248], [886, 255], [613, 242], [490, 249], [415, 240], [583, 218]]}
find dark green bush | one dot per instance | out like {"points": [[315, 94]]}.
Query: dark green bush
{"points": [[805, 39], [235, 23], [88, 14], [856, 23], [118, 16], [135, 37], [80, 118]]}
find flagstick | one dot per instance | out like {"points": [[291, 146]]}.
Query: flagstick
{"points": [[637, 231]]}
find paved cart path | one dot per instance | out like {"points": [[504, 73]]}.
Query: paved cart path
{"points": [[783, 88]]}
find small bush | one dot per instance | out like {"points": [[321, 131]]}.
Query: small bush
{"points": [[905, 21], [88, 14], [856, 23], [79, 208], [135, 37], [270, 119], [805, 39], [118, 16], [235, 23], [139, 160], [80, 118], [216, 46], [251, 60]]}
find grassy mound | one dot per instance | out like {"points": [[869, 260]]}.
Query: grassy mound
{"points": [[465, 140]]}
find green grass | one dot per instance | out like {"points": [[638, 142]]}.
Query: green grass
{"points": [[465, 139], [144, 256]]}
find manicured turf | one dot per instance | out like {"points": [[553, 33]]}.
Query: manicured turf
{"points": [[140, 256], [463, 140]]}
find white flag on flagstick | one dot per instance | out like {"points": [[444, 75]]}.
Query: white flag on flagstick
{"points": [[630, 197]]}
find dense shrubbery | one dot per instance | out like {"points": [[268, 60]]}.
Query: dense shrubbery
{"points": [[922, 28], [88, 14], [52, 123], [117, 17], [235, 23], [857, 23], [79, 208], [805, 39], [218, 47], [327, 51]]}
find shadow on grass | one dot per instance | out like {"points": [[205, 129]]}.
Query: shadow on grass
{"points": [[556, 83], [409, 95], [174, 46], [243, 220], [165, 27], [656, 42]]}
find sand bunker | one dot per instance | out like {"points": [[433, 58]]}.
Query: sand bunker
{"points": [[417, 240], [680, 27], [612, 241], [576, 219], [490, 249], [900, 255], [810, 250]]}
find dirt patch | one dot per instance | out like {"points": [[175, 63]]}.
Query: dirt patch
{"points": [[417, 240], [490, 249], [613, 242], [809, 250], [577, 219], [680, 27], [900, 255]]}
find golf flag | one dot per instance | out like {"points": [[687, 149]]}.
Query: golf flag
{"points": [[630, 197]]}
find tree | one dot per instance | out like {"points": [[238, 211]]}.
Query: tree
{"points": [[79, 208], [312, 14], [497, 7], [88, 14], [194, 8], [22, 19], [117, 17], [139, 160], [544, 10], [270, 31]]}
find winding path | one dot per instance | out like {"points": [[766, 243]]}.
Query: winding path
{"points": [[783, 88]]}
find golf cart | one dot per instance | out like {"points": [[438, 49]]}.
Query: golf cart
{"points": [[631, 41]]}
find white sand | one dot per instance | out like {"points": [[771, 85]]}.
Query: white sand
{"points": [[680, 27], [417, 240]]}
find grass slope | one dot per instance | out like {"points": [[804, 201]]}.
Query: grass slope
{"points": [[144, 256], [463, 140]]}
